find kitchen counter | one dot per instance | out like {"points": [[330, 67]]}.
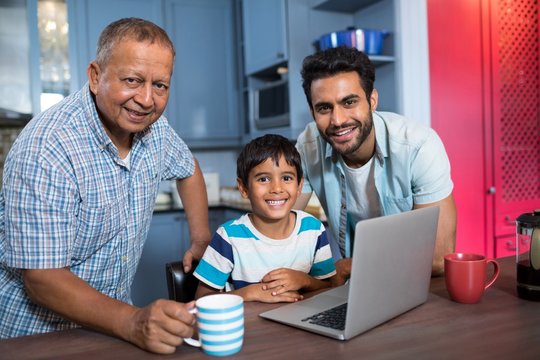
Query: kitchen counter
{"points": [[170, 208], [235, 206]]}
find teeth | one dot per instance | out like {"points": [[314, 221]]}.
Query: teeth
{"points": [[275, 202], [137, 113], [340, 133]]}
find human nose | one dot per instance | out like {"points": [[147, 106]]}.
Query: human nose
{"points": [[145, 95], [275, 186], [338, 116]]}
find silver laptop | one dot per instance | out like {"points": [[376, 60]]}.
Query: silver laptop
{"points": [[391, 272]]}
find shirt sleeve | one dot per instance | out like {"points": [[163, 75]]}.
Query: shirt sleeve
{"points": [[217, 262], [430, 171], [323, 263], [179, 161], [306, 188], [40, 212]]}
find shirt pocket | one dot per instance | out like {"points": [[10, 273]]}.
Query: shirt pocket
{"points": [[144, 191], [96, 226], [394, 205]]}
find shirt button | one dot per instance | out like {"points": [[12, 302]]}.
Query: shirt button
{"points": [[124, 258]]}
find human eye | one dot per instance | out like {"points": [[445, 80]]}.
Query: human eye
{"points": [[323, 109], [131, 81], [263, 179], [161, 86], [288, 178], [350, 102]]}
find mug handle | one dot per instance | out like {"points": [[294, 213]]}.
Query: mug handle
{"points": [[191, 341], [495, 272]]}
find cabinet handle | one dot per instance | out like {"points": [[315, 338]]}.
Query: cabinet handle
{"points": [[509, 221], [510, 245]]}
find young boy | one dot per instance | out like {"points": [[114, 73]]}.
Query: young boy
{"points": [[273, 253]]}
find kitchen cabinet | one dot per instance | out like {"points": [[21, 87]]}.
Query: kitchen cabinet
{"points": [[493, 76], [168, 240], [265, 29], [293, 40], [202, 106]]}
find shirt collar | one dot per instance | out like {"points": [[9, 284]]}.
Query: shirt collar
{"points": [[381, 146]]}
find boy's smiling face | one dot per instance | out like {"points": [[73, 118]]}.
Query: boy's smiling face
{"points": [[272, 189]]}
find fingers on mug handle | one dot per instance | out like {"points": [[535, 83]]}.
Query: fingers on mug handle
{"points": [[495, 273]]}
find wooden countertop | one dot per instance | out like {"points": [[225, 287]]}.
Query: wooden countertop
{"points": [[501, 326]]}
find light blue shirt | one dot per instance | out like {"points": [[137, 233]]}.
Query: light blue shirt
{"points": [[68, 200], [411, 167]]}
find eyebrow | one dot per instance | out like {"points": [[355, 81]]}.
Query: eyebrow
{"points": [[349, 97], [264, 173], [342, 100]]}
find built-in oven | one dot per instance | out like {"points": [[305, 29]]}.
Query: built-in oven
{"points": [[269, 104]]}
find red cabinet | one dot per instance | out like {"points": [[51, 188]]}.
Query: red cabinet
{"points": [[484, 77]]}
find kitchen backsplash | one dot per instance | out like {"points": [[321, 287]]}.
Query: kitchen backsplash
{"points": [[7, 137]]}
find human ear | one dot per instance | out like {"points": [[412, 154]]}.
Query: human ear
{"points": [[300, 185], [93, 72], [242, 188], [374, 99]]}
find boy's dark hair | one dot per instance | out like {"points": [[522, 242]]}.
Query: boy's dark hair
{"points": [[334, 61], [265, 147]]}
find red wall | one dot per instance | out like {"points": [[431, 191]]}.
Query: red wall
{"points": [[457, 111]]}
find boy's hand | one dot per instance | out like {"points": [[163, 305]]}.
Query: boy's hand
{"points": [[255, 292], [282, 280]]}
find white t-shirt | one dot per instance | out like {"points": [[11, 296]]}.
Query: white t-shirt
{"points": [[362, 198]]}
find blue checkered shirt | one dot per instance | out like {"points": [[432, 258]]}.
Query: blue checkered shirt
{"points": [[68, 200]]}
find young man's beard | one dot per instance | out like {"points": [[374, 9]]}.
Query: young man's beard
{"points": [[364, 131]]}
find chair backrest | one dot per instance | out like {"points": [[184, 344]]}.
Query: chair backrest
{"points": [[181, 286]]}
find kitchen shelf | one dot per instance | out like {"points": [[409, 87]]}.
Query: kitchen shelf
{"points": [[381, 59], [347, 6]]}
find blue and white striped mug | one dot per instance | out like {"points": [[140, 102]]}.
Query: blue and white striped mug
{"points": [[220, 322]]}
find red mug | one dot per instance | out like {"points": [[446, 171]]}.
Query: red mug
{"points": [[465, 276]]}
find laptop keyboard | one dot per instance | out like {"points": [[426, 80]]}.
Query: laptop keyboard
{"points": [[333, 318]]}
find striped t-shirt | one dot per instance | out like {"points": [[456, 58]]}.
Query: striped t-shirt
{"points": [[242, 255]]}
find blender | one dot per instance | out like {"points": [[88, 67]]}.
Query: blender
{"points": [[528, 255]]}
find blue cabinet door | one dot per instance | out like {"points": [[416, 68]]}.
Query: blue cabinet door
{"points": [[167, 241], [203, 105], [87, 18], [265, 34]]}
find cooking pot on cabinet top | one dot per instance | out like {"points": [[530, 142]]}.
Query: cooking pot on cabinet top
{"points": [[369, 41]]}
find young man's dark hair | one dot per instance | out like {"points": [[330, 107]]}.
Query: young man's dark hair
{"points": [[334, 61]]}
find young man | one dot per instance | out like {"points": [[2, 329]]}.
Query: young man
{"points": [[79, 189], [362, 163], [271, 254]]}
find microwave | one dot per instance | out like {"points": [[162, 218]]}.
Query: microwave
{"points": [[269, 104]]}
